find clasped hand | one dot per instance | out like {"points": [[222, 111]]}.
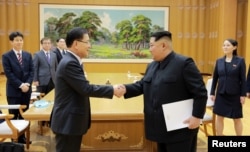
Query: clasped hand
{"points": [[25, 87], [119, 90]]}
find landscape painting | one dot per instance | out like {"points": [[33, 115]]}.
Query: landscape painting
{"points": [[117, 33]]}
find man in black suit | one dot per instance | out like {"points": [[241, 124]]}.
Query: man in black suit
{"points": [[169, 78], [70, 117], [60, 50], [19, 70]]}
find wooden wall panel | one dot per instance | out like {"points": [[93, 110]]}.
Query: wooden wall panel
{"points": [[193, 52], [186, 26], [34, 26], [11, 15], [212, 33], [27, 24], [241, 27], [198, 27], [3, 26], [176, 10], [247, 51], [19, 13], [227, 24], [200, 42]]}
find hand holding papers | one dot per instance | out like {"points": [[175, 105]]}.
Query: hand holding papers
{"points": [[176, 113], [193, 122]]}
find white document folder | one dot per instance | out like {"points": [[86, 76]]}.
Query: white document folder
{"points": [[176, 113]]}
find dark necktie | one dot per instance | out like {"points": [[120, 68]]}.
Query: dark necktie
{"points": [[19, 57]]}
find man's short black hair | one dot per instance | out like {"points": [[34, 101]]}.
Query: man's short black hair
{"points": [[159, 35], [57, 40], [45, 39], [15, 34], [75, 34]]}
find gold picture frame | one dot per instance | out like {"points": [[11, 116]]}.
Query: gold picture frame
{"points": [[118, 33]]}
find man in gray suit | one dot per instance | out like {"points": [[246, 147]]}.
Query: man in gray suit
{"points": [[45, 64], [70, 117]]}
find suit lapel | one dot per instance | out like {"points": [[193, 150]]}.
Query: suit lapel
{"points": [[74, 58], [14, 57], [44, 57], [59, 53], [234, 63], [222, 65]]}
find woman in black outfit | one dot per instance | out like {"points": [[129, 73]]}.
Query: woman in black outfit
{"points": [[229, 83]]}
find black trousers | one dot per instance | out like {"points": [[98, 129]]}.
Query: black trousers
{"points": [[188, 145], [68, 143]]}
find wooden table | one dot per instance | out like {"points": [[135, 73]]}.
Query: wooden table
{"points": [[40, 114], [116, 124]]}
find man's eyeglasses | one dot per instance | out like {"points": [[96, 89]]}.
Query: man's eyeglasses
{"points": [[87, 42]]}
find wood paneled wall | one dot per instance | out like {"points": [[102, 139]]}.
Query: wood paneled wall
{"points": [[247, 33], [199, 27]]}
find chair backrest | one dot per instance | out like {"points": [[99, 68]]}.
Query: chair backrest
{"points": [[1, 120], [10, 106], [209, 117], [13, 129], [208, 87]]}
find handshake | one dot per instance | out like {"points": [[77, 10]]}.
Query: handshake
{"points": [[119, 90]]}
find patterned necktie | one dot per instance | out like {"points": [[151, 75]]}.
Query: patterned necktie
{"points": [[19, 57]]}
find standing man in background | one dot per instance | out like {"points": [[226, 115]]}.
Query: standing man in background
{"points": [[60, 50], [19, 70], [45, 64]]}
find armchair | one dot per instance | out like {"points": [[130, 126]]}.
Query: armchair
{"points": [[209, 117], [14, 128]]}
